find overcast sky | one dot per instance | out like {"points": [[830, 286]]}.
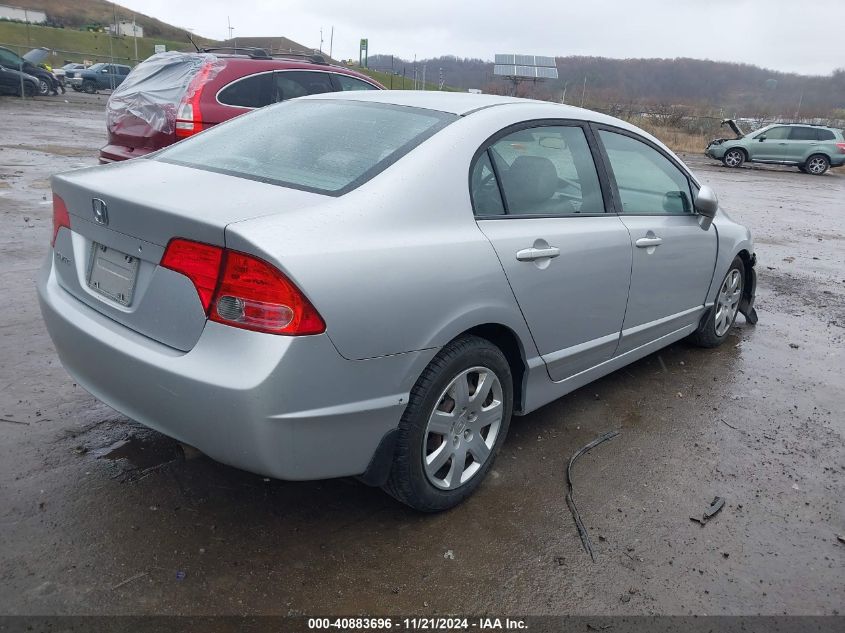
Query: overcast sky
{"points": [[777, 34]]}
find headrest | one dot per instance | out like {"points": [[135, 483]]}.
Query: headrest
{"points": [[529, 181]]}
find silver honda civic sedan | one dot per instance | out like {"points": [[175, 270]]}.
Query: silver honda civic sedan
{"points": [[371, 284]]}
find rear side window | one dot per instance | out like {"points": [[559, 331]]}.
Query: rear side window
{"points": [[547, 170], [803, 134], [351, 83], [825, 135], [294, 83], [484, 189], [648, 182], [323, 146], [255, 91]]}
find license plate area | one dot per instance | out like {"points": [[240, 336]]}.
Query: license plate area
{"points": [[112, 273]]}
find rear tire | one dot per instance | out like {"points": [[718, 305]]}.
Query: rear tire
{"points": [[817, 165], [716, 325], [733, 158], [467, 393]]}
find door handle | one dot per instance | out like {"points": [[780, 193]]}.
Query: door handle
{"points": [[646, 242], [530, 254]]}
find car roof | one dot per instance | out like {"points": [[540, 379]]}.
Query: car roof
{"points": [[460, 103]]}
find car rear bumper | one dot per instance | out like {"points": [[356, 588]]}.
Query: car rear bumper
{"points": [[114, 153], [284, 407]]}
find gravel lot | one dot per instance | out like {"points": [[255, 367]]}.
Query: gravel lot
{"points": [[99, 515]]}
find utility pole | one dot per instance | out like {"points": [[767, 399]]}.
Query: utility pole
{"points": [[331, 42], [321, 40], [563, 98], [229, 22], [26, 21], [111, 47], [800, 101], [135, 36], [583, 91], [425, 66]]}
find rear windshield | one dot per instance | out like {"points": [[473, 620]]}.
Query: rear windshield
{"points": [[324, 146]]}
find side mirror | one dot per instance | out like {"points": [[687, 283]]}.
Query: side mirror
{"points": [[104, 70], [706, 205], [761, 139]]}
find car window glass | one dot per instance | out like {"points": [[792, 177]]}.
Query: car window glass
{"points": [[350, 83], [324, 145], [802, 134], [292, 84], [255, 91], [825, 135], [484, 189], [648, 182], [9, 59], [775, 134], [547, 170]]}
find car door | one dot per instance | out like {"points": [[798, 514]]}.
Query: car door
{"points": [[770, 145], [802, 139], [673, 257], [538, 198]]}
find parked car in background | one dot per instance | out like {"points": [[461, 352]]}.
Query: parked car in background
{"points": [[99, 77], [62, 73], [371, 283], [174, 95], [12, 82], [47, 82], [812, 148]]}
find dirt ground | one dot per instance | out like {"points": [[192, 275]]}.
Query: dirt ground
{"points": [[99, 515]]}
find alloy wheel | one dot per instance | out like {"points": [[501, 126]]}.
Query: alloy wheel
{"points": [[463, 428], [817, 165], [733, 158], [727, 303]]}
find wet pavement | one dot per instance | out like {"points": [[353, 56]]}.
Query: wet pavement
{"points": [[99, 515]]}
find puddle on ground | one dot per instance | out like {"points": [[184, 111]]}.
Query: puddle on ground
{"points": [[140, 453]]}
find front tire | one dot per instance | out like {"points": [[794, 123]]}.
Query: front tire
{"points": [[733, 158], [43, 87], [89, 86], [715, 327], [817, 165], [455, 422]]}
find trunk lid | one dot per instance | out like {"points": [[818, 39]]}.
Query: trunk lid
{"points": [[121, 218]]}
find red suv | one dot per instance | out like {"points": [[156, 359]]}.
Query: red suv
{"points": [[174, 95]]}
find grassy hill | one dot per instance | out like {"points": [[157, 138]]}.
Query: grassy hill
{"points": [[399, 82], [79, 13], [77, 46]]}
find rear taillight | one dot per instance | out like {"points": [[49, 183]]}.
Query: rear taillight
{"points": [[243, 291], [198, 262], [841, 147], [61, 218], [189, 115]]}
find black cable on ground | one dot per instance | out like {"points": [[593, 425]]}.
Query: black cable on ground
{"points": [[570, 501]]}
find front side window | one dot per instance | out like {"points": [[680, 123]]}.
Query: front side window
{"points": [[295, 83], [780, 133], [351, 83], [545, 170], [324, 146], [648, 182], [255, 91]]}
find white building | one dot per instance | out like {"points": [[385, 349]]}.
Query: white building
{"points": [[23, 15], [127, 28]]}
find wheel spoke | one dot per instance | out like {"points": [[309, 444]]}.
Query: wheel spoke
{"points": [[478, 449], [438, 458], [485, 384], [460, 392], [441, 422], [488, 416], [456, 469]]}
